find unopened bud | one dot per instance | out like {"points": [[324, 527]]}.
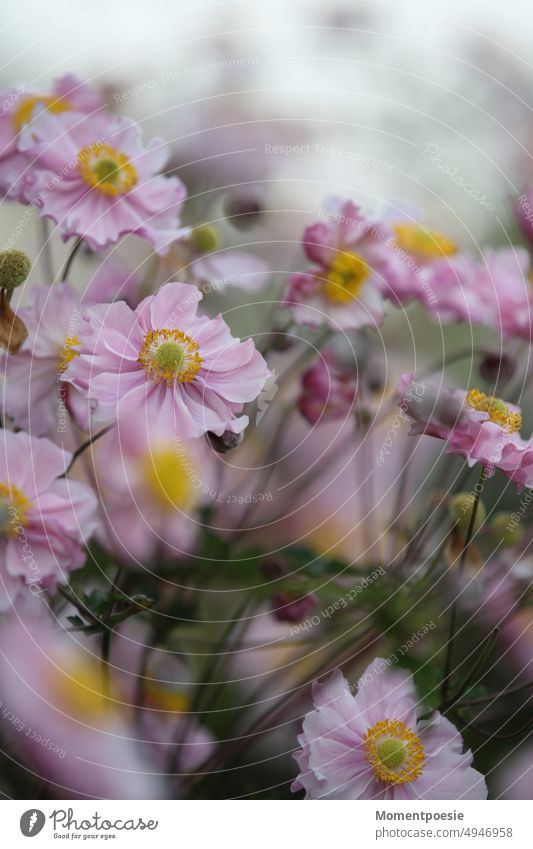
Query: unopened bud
{"points": [[291, 607], [496, 368], [14, 269], [505, 530], [227, 442], [205, 238], [461, 507]]}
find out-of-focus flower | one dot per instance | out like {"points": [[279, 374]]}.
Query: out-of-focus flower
{"points": [[199, 259], [151, 485], [46, 519], [523, 212], [114, 280], [95, 179], [163, 362], [476, 426], [328, 390], [19, 107], [65, 726], [356, 266], [34, 397], [514, 777], [494, 290], [288, 606], [371, 745]]}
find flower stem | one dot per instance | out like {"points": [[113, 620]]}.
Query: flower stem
{"points": [[70, 259], [453, 618]]}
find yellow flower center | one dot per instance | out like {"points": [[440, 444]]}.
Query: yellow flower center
{"points": [[425, 243], [68, 352], [394, 752], [346, 277], [167, 474], [106, 169], [23, 114], [170, 355], [14, 507], [164, 697], [497, 410], [80, 690]]}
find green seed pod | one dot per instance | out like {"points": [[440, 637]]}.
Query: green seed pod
{"points": [[14, 269], [205, 238], [505, 530], [461, 507]]}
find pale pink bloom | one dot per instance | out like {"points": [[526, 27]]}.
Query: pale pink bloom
{"points": [[162, 362], [95, 179], [356, 267], [152, 486], [65, 727], [114, 280], [494, 290], [18, 107], [34, 396], [166, 726], [46, 518], [328, 391], [476, 426], [372, 746]]}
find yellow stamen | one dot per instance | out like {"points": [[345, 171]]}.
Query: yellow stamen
{"points": [[394, 752], [68, 352], [23, 114], [425, 243], [497, 410], [347, 274], [106, 169], [80, 690], [15, 506], [167, 474], [170, 355], [165, 698]]}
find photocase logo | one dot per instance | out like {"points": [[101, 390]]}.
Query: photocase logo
{"points": [[32, 822]]}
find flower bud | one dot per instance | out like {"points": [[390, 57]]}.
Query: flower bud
{"points": [[271, 569], [14, 269], [496, 368], [505, 530], [244, 207], [328, 390], [227, 442], [461, 507], [12, 329], [205, 238], [291, 607]]}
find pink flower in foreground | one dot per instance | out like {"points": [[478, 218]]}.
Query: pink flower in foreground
{"points": [[152, 486], [356, 266], [66, 728], [162, 362], [34, 397], [46, 518], [371, 745], [19, 107], [329, 390], [95, 179], [479, 427]]}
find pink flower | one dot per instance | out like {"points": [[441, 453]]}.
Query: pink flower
{"points": [[34, 397], [328, 390], [495, 291], [66, 728], [371, 745], [479, 427], [94, 178], [356, 266], [19, 107], [151, 485], [163, 362], [46, 518]]}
